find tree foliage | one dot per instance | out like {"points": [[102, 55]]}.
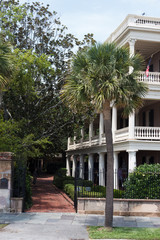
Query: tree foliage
{"points": [[143, 183], [42, 49]]}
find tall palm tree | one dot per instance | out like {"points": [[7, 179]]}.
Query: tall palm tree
{"points": [[100, 76]]}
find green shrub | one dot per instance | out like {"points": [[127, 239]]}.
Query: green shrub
{"points": [[143, 183], [61, 177], [68, 181], [62, 172], [69, 190], [117, 193]]}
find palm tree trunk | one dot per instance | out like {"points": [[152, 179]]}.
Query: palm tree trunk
{"points": [[110, 162]]}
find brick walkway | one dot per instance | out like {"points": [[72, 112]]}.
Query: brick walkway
{"points": [[47, 198]]}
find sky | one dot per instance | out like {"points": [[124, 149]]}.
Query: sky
{"points": [[100, 17]]}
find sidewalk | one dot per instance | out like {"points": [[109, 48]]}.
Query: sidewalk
{"points": [[62, 226], [47, 198]]}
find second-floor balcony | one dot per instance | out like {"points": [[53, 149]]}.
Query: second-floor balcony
{"points": [[140, 133]]}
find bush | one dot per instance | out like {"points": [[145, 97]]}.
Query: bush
{"points": [[61, 177], [62, 172], [22, 184], [69, 190], [84, 183], [117, 193], [143, 183], [67, 184]]}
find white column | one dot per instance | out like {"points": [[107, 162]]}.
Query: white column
{"points": [[82, 135], [81, 167], [131, 160], [114, 121], [90, 166], [101, 127], [131, 51], [116, 185], [68, 165], [101, 169], [90, 133], [69, 142], [74, 165], [131, 125]]}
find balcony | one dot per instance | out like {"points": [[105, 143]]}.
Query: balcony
{"points": [[141, 133], [153, 78], [134, 21]]}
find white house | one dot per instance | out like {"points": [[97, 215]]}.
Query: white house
{"points": [[136, 139]]}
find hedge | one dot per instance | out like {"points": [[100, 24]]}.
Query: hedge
{"points": [[143, 183], [67, 184]]}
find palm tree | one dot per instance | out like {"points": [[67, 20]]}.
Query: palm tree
{"points": [[5, 65], [100, 76]]}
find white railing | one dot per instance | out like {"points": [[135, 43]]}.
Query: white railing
{"points": [[148, 21], [95, 140], [148, 133], [134, 21], [121, 134], [153, 77], [144, 133]]}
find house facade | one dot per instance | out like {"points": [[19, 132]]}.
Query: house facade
{"points": [[136, 140]]}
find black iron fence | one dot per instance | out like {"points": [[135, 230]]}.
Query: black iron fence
{"points": [[137, 186]]}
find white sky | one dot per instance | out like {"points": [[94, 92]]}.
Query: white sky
{"points": [[100, 17]]}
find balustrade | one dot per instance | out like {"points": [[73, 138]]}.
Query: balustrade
{"points": [[149, 133], [153, 78]]}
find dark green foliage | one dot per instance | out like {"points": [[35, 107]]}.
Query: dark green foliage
{"points": [[42, 49], [84, 183], [62, 172], [117, 193], [143, 183], [61, 177], [69, 180], [28, 191], [69, 190], [22, 180]]}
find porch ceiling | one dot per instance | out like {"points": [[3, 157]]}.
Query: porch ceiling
{"points": [[146, 49]]}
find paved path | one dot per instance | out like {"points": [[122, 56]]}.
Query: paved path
{"points": [[47, 198], [62, 226]]}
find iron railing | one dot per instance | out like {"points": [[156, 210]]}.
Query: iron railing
{"points": [[137, 186]]}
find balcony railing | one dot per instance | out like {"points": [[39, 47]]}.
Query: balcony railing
{"points": [[140, 133], [153, 78], [148, 133], [134, 21], [121, 134]]}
